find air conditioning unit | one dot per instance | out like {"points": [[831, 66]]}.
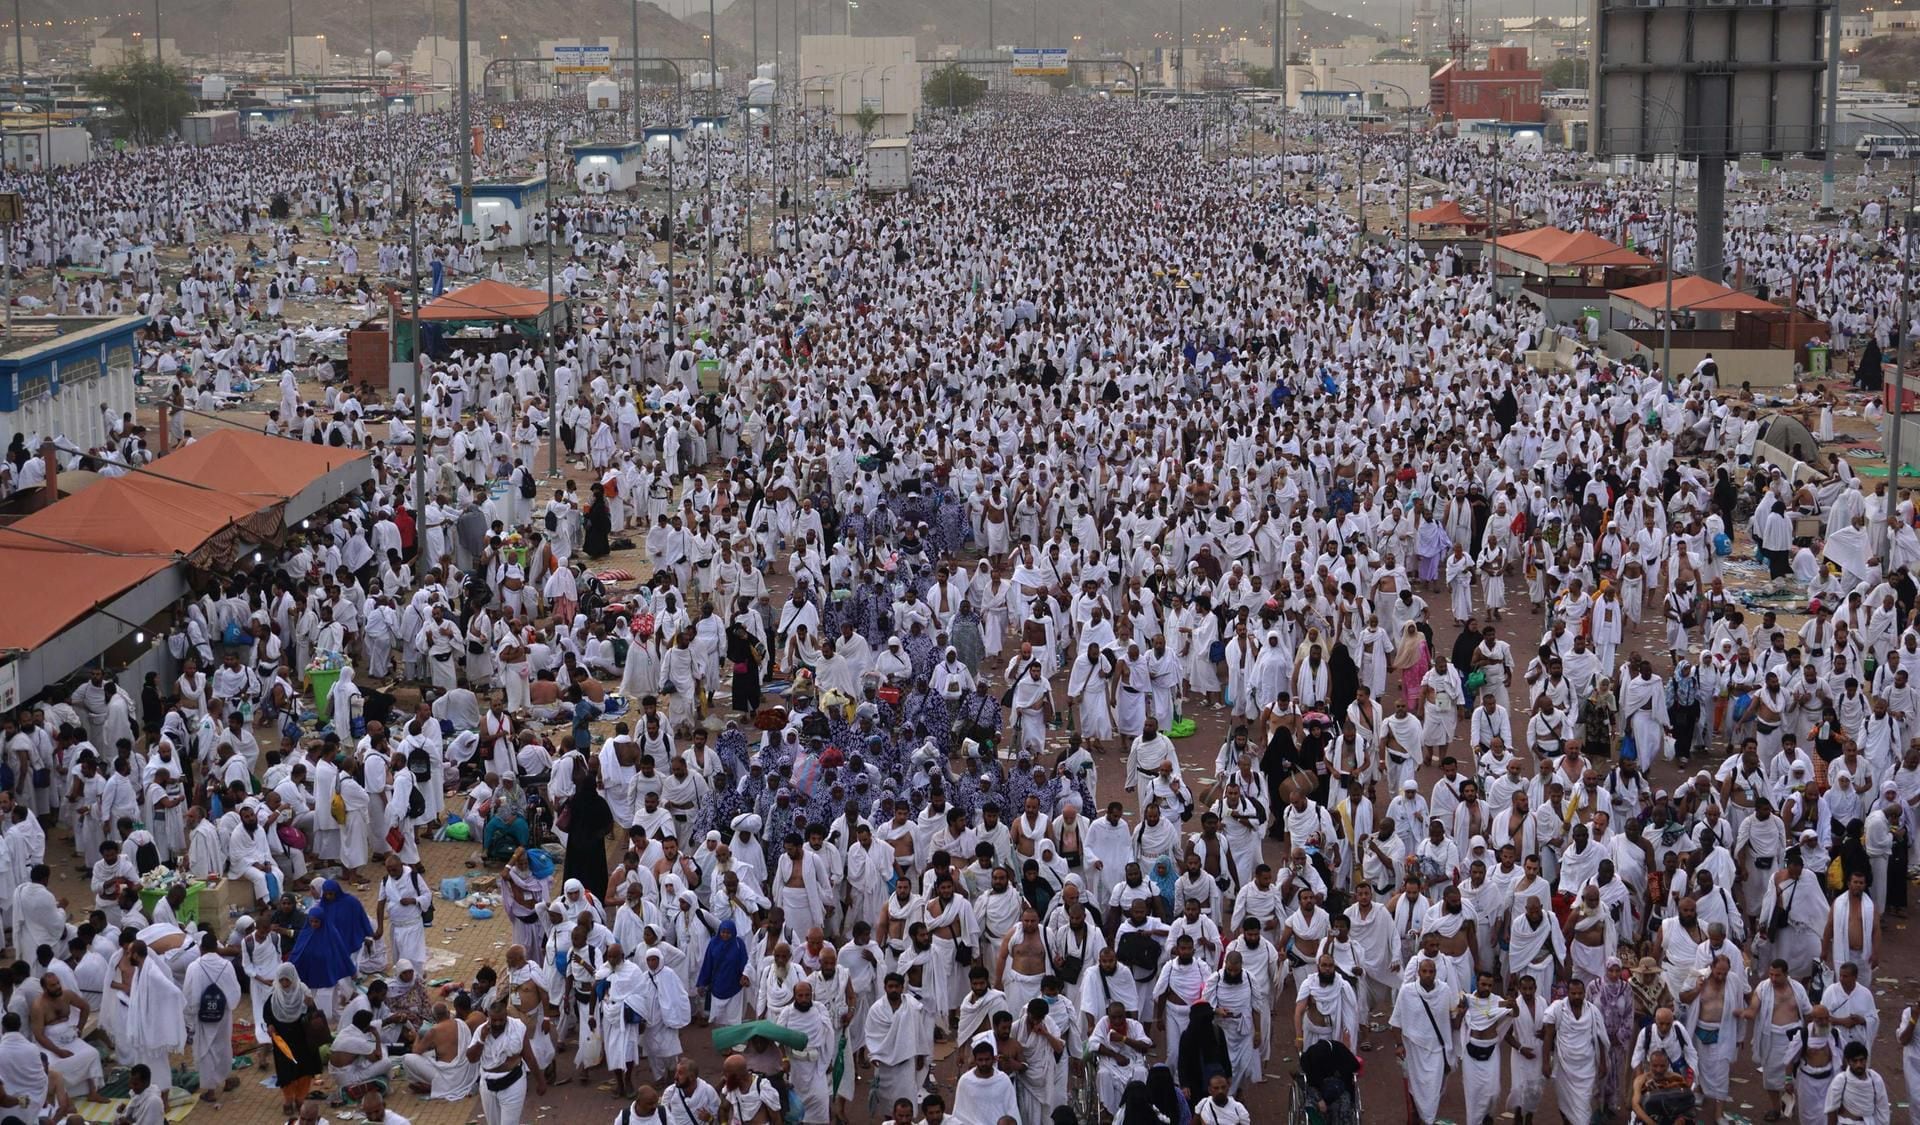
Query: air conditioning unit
{"points": [[1649, 3]]}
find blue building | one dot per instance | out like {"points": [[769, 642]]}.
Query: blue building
{"points": [[57, 373]]}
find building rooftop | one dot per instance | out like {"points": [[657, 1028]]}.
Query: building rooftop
{"points": [[33, 335]]}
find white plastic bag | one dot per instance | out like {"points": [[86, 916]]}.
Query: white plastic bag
{"points": [[591, 1051]]}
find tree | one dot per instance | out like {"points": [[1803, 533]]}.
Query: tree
{"points": [[1566, 74], [1259, 75], [951, 87], [150, 95], [867, 118]]}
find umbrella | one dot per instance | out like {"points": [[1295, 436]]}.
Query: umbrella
{"points": [[731, 1036]]}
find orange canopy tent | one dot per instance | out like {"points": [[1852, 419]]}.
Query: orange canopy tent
{"points": [[1552, 247], [1445, 214], [491, 300], [253, 464], [1694, 295], [56, 587], [137, 514]]}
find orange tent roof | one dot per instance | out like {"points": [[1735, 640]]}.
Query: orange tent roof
{"points": [[249, 463], [137, 514], [490, 300], [1552, 246], [1445, 214], [55, 588], [1695, 294]]}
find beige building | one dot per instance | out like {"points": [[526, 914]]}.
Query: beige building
{"points": [[110, 50], [1896, 21], [1372, 78], [841, 74], [310, 54], [437, 59], [29, 51]]}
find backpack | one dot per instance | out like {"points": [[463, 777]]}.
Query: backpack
{"points": [[1138, 950], [213, 1004], [527, 490], [420, 766], [416, 803]]}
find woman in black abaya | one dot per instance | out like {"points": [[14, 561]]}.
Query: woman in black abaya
{"points": [[589, 822]]}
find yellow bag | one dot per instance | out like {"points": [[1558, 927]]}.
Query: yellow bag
{"points": [[1836, 875], [339, 809]]}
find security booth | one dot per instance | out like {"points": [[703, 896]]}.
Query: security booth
{"points": [[503, 212], [599, 169]]}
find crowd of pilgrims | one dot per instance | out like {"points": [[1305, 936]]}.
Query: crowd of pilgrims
{"points": [[1007, 482]]}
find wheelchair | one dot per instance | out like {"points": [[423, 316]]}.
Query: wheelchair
{"points": [[1304, 1104], [1083, 1096]]}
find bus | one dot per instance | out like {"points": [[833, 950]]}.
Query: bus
{"points": [[1885, 144]]}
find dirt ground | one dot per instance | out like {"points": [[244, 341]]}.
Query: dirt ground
{"points": [[459, 944]]}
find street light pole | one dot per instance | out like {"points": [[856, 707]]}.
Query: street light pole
{"points": [[1896, 416], [1406, 258], [1359, 164], [1666, 237]]}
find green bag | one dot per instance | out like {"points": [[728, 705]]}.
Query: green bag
{"points": [[1182, 727], [1476, 680], [458, 830]]}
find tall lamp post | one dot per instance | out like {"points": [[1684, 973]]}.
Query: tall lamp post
{"points": [[1406, 258], [1359, 164], [1666, 238], [1904, 350]]}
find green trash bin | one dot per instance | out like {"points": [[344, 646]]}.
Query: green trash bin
{"points": [[322, 684], [189, 910], [1817, 355]]}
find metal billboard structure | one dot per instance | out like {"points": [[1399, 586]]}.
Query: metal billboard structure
{"points": [[1711, 80]]}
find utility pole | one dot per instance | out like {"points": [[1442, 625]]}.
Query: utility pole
{"points": [[1833, 121], [1280, 52], [293, 65], [713, 123], [20, 52], [553, 369], [639, 130], [466, 130], [419, 389], [1180, 50], [1279, 79]]}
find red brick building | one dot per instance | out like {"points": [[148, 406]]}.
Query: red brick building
{"points": [[1506, 90]]}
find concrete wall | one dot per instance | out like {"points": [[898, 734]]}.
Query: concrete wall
{"points": [[1772, 367]]}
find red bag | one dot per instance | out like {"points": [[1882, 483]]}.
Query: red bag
{"points": [[889, 695], [396, 839], [771, 717]]}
